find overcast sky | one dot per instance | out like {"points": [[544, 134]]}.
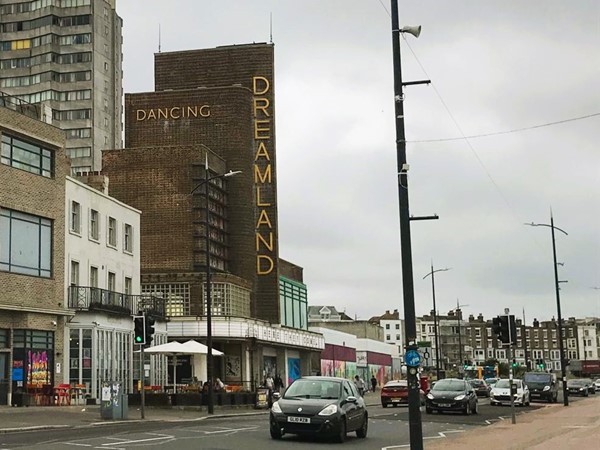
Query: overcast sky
{"points": [[495, 66]]}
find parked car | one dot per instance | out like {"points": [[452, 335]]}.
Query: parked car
{"points": [[451, 394], [395, 392], [590, 384], [482, 389], [578, 387], [501, 392], [491, 382], [319, 406], [597, 384], [542, 386]]}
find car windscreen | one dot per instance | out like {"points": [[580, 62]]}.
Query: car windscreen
{"points": [[325, 389], [396, 384], [502, 384], [449, 385], [537, 378], [576, 383], [476, 383]]}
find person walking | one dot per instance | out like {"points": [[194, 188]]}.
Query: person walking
{"points": [[374, 382], [360, 384], [269, 384]]}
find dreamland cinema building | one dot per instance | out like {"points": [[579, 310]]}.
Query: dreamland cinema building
{"points": [[214, 110]]}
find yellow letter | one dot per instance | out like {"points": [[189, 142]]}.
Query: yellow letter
{"points": [[255, 81], [263, 178], [192, 111], [263, 220], [141, 116], [175, 108], [260, 239], [259, 269], [152, 114], [258, 129], [263, 108], [262, 151], [258, 199], [205, 111]]}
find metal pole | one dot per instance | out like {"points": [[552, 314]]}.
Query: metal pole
{"points": [[525, 341], [435, 327], [460, 357], [143, 380], [560, 336], [209, 362], [414, 401]]}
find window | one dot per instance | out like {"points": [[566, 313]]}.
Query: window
{"points": [[387, 337], [75, 217], [489, 332], [112, 231], [112, 282], [397, 326], [94, 224], [74, 273], [128, 286], [477, 332], [27, 156], [387, 326], [397, 337], [93, 277], [128, 238], [25, 243]]}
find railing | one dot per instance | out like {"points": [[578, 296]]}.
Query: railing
{"points": [[21, 106], [91, 298]]}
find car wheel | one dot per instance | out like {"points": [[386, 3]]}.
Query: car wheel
{"points": [[476, 409], [428, 410], [341, 437], [276, 433], [467, 410], [362, 431], [385, 405]]}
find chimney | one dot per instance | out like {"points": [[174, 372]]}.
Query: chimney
{"points": [[387, 311], [519, 322], [480, 317], [471, 318], [536, 323]]}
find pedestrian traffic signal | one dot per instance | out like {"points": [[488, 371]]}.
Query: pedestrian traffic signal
{"points": [[139, 333], [149, 330], [540, 364], [514, 363]]}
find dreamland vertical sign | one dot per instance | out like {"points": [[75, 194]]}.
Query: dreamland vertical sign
{"points": [[266, 254]]}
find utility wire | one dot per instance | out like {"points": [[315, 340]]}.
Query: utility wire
{"points": [[516, 130]]}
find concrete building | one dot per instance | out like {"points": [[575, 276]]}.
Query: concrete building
{"points": [[393, 328], [213, 112], [33, 309], [65, 57]]}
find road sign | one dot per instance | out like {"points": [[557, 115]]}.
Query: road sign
{"points": [[412, 358]]}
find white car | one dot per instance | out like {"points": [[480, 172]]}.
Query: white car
{"points": [[500, 394]]}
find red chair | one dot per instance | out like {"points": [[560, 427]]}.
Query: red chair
{"points": [[62, 395]]}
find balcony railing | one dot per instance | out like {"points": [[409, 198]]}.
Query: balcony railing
{"points": [[90, 298]]}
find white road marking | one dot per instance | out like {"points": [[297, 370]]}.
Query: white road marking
{"points": [[441, 435]]}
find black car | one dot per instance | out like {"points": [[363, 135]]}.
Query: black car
{"points": [[482, 389], [451, 394], [319, 406], [590, 384], [542, 386], [578, 387]]}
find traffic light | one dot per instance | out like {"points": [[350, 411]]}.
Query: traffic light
{"points": [[505, 328], [465, 364], [514, 363], [540, 364], [139, 330], [149, 330]]}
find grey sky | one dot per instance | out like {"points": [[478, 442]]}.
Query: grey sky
{"points": [[495, 66]]}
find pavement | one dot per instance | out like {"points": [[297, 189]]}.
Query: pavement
{"points": [[553, 426]]}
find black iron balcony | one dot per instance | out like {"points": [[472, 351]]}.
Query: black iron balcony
{"points": [[85, 298]]}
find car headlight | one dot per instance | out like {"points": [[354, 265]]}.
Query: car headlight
{"points": [[582, 389], [492, 394], [328, 410], [276, 408], [546, 388], [430, 396], [459, 397]]}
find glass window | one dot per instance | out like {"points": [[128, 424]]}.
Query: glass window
{"points": [[75, 217], [128, 286], [94, 224], [128, 238], [112, 282], [74, 273], [25, 243], [112, 231], [93, 276], [27, 156]]}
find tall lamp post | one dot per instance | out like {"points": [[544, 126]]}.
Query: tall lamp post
{"points": [[563, 369], [410, 332], [435, 327], [209, 362]]}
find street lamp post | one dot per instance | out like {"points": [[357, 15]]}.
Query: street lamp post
{"points": [[435, 327], [209, 362], [561, 346]]}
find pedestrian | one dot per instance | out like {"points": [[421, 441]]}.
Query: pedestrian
{"points": [[278, 383], [360, 384], [269, 384], [374, 382]]}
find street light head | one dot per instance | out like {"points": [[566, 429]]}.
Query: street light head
{"points": [[232, 173], [415, 30]]}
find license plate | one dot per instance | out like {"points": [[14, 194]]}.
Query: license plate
{"points": [[299, 419], [444, 405], [395, 400]]}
